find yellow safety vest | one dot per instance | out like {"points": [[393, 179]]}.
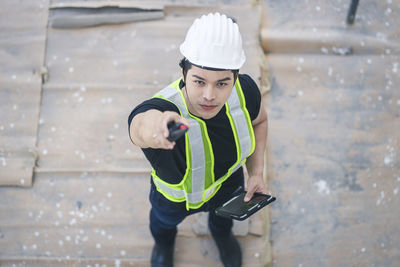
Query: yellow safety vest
{"points": [[199, 184]]}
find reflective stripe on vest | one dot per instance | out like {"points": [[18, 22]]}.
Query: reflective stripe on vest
{"points": [[198, 184]]}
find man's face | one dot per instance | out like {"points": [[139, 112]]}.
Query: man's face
{"points": [[207, 91]]}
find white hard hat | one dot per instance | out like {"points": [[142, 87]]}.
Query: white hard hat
{"points": [[214, 41]]}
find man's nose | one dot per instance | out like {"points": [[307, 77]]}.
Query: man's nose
{"points": [[209, 93]]}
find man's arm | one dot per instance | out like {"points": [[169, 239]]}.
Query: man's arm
{"points": [[149, 129], [255, 163]]}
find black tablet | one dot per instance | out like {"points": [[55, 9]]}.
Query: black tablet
{"points": [[237, 209]]}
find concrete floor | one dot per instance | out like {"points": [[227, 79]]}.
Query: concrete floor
{"points": [[334, 110]]}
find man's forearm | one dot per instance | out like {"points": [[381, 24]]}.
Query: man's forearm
{"points": [[255, 163]]}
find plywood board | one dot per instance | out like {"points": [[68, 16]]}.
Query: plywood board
{"points": [[22, 48]]}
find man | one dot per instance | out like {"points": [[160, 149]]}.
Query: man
{"points": [[227, 125]]}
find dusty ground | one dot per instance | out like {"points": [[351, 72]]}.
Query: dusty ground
{"points": [[334, 112]]}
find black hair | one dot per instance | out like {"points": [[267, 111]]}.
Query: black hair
{"points": [[186, 65]]}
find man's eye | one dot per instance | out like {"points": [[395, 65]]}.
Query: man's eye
{"points": [[221, 84], [199, 82]]}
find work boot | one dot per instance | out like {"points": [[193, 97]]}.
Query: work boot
{"points": [[162, 256], [229, 250]]}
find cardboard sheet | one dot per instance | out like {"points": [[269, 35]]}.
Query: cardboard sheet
{"points": [[89, 203], [80, 17], [146, 4], [22, 48]]}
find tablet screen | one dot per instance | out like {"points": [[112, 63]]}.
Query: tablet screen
{"points": [[238, 207]]}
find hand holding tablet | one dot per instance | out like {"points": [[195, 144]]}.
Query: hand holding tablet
{"points": [[236, 208]]}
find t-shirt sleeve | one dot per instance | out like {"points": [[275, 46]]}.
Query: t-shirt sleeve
{"points": [[252, 95], [153, 103]]}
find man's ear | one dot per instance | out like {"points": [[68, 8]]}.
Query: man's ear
{"points": [[183, 76]]}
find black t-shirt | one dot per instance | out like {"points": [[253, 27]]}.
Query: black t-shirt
{"points": [[170, 165]]}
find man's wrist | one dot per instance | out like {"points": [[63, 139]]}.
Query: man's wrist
{"points": [[256, 174]]}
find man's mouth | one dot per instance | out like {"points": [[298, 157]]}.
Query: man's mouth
{"points": [[208, 107]]}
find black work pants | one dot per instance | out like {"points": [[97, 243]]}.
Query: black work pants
{"points": [[165, 215]]}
